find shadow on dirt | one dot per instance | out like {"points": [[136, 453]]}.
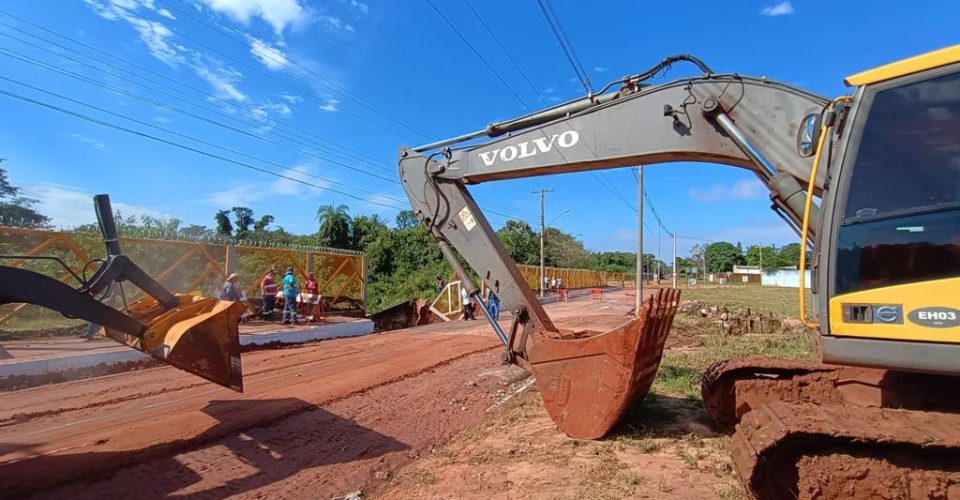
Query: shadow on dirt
{"points": [[264, 454]]}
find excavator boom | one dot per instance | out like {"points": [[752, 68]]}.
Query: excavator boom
{"points": [[588, 379]]}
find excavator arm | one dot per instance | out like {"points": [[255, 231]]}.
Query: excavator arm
{"points": [[589, 379]]}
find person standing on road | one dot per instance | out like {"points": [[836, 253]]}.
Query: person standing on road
{"points": [[467, 304], [289, 297], [231, 291], [493, 303], [268, 290]]}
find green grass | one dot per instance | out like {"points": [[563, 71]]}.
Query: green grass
{"points": [[679, 373], [782, 302]]}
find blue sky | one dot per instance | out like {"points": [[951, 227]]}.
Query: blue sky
{"points": [[319, 87]]}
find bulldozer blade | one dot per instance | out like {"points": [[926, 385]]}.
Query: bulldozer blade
{"points": [[200, 336], [588, 382]]}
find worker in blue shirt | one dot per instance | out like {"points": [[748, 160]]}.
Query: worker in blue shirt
{"points": [[289, 297]]}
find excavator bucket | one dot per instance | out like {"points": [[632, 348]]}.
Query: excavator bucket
{"points": [[589, 380], [200, 336]]}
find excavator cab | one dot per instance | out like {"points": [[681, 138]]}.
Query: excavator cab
{"points": [[196, 334]]}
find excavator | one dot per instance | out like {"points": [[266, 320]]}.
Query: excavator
{"points": [[871, 183]]}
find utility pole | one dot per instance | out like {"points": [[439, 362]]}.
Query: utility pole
{"points": [[703, 254], [674, 260], [639, 298], [761, 257], [543, 194], [659, 250]]}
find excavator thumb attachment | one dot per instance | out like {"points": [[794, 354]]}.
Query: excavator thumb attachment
{"points": [[588, 381], [200, 336]]}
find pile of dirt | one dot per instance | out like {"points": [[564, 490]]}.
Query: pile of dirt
{"points": [[736, 321], [415, 312]]}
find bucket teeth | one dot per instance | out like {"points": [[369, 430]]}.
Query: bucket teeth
{"points": [[588, 383]]}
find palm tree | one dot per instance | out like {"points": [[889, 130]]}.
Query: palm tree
{"points": [[334, 226]]}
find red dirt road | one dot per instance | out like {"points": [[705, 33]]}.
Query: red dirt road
{"points": [[386, 398]]}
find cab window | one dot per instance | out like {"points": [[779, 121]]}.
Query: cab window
{"points": [[901, 221]]}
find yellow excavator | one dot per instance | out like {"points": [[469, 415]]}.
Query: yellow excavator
{"points": [[879, 415]]}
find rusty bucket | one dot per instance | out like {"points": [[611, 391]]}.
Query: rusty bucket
{"points": [[588, 382], [200, 336]]}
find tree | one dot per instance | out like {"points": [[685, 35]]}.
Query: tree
{"points": [[722, 256], [195, 231], [406, 218], [334, 228], [242, 220], [564, 250], [224, 226], [770, 257], [18, 209], [366, 229], [261, 225], [521, 242], [790, 255]]}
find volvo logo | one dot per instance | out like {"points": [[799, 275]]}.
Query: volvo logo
{"points": [[530, 148], [936, 317], [887, 314]]}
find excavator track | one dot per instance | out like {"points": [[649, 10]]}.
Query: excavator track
{"points": [[732, 387], [789, 450]]}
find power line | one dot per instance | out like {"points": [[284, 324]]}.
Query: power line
{"points": [[219, 112], [565, 45], [185, 136], [333, 147], [303, 71], [506, 52], [477, 53], [185, 147], [154, 102]]}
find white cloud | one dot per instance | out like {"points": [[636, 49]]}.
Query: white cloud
{"points": [[330, 105], [161, 119], [334, 23], [249, 194], [271, 57], [600, 69], [166, 13], [746, 189], [291, 98], [781, 9], [278, 13], [154, 34], [362, 7], [95, 144], [69, 206], [224, 80]]}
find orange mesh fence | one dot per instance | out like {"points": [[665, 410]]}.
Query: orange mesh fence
{"points": [[179, 265]]}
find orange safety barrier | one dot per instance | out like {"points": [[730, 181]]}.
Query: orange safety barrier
{"points": [[596, 294]]}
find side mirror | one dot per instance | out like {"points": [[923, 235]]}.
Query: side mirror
{"points": [[808, 135]]}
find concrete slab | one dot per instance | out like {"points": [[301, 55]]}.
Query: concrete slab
{"points": [[351, 327]]}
